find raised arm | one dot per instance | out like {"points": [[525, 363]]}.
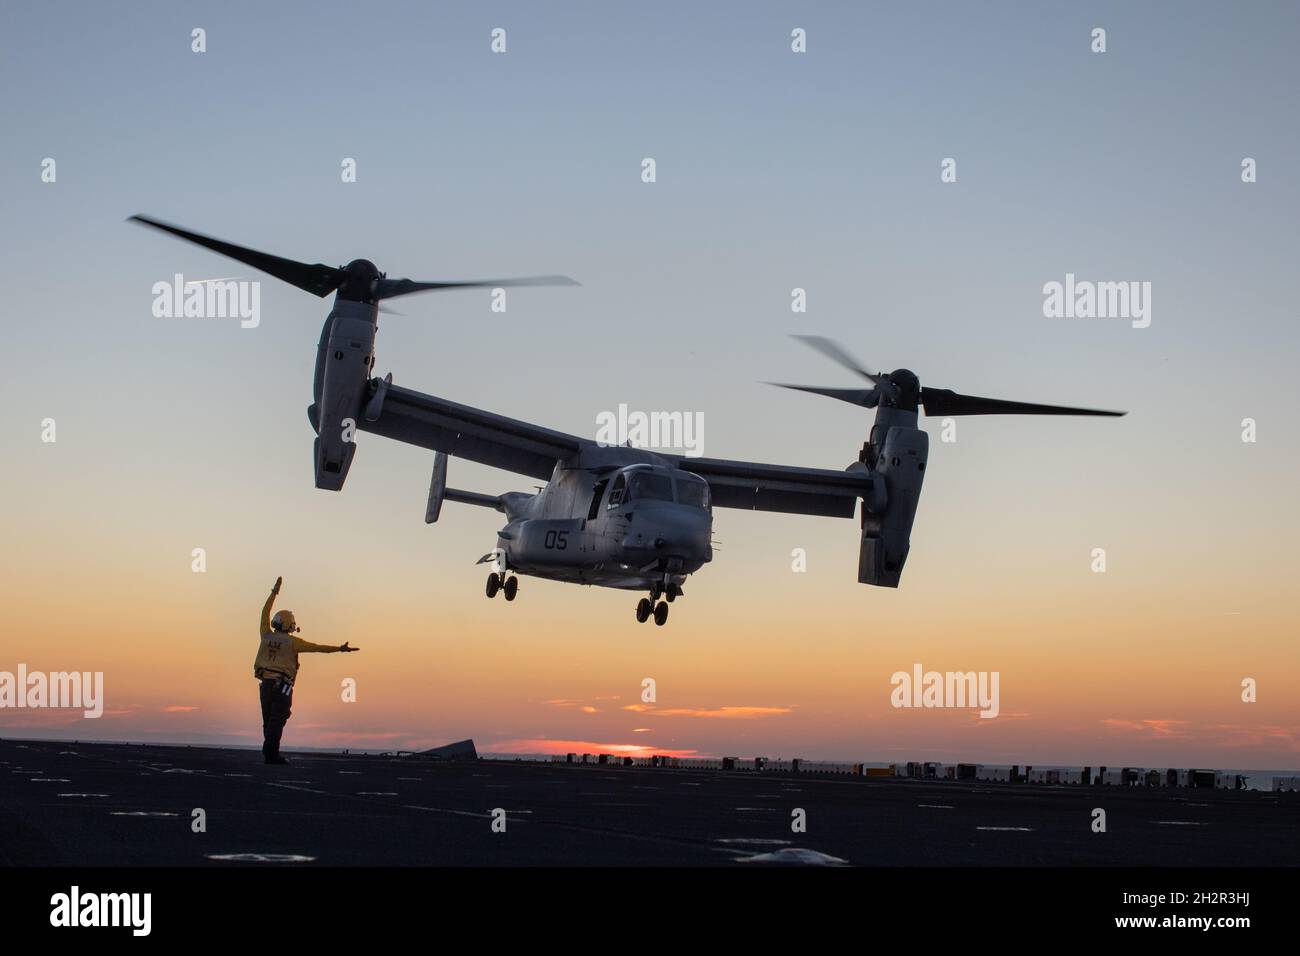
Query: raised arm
{"points": [[307, 647], [266, 608]]}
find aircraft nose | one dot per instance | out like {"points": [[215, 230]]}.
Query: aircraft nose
{"points": [[684, 533]]}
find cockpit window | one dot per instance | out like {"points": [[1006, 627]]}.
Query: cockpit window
{"points": [[650, 485], [693, 492], [618, 493], [597, 493]]}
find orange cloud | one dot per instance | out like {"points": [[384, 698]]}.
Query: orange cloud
{"points": [[178, 709], [570, 702], [1213, 735], [543, 745], [1151, 727], [723, 713], [1243, 735]]}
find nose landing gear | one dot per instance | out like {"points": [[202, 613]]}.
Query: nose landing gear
{"points": [[653, 607], [499, 582], [646, 609]]}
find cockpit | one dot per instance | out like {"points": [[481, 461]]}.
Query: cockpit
{"points": [[693, 490], [654, 483]]}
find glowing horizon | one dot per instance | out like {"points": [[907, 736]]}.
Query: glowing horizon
{"points": [[776, 172]]}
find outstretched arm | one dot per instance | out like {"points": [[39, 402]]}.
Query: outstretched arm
{"points": [[266, 608], [307, 647]]}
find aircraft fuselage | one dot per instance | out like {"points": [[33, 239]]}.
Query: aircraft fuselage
{"points": [[628, 526]]}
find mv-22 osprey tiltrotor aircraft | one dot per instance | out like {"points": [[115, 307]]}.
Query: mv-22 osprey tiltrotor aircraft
{"points": [[617, 517]]}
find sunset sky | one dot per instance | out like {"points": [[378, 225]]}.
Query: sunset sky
{"points": [[774, 171]]}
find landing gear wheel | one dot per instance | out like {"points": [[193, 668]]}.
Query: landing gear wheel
{"points": [[643, 610], [672, 592], [511, 587], [661, 613], [493, 585]]}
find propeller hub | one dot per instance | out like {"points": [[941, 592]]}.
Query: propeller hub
{"points": [[906, 390], [359, 279]]}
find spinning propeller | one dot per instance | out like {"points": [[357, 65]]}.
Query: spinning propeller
{"points": [[359, 280], [902, 389]]}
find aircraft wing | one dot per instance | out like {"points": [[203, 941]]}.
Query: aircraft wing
{"points": [[526, 449], [788, 488], [465, 432]]}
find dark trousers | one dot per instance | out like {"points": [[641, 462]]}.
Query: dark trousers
{"points": [[277, 704]]}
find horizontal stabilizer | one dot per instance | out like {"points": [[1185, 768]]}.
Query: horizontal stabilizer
{"points": [[474, 498], [439, 492], [437, 488]]}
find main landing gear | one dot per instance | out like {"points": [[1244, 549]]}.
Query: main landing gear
{"points": [[499, 582], [647, 607]]}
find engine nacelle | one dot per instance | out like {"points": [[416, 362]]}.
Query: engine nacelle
{"points": [[886, 537], [343, 364]]}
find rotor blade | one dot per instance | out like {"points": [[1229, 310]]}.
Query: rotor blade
{"points": [[863, 397], [318, 279], [388, 288], [836, 354], [943, 401]]}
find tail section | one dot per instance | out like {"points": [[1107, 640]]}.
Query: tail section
{"points": [[439, 492]]}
